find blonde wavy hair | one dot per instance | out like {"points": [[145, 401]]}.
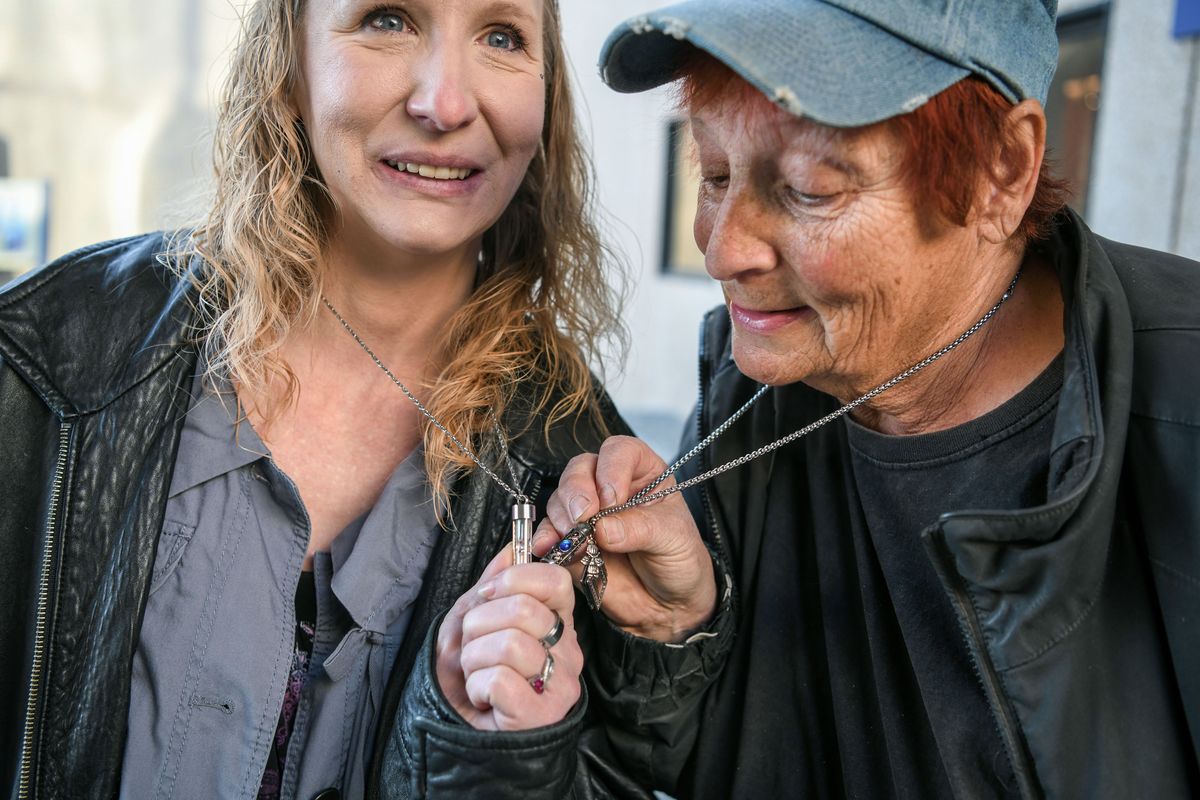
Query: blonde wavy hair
{"points": [[541, 310]]}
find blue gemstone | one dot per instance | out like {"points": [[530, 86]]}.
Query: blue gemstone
{"points": [[564, 545]]}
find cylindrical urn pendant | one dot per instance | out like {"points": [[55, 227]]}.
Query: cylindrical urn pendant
{"points": [[522, 532]]}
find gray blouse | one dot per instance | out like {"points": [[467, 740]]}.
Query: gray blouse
{"points": [[217, 641]]}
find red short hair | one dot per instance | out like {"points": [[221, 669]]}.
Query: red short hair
{"points": [[950, 142]]}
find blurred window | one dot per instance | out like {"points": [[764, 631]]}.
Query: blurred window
{"points": [[680, 255], [1074, 101], [24, 220]]}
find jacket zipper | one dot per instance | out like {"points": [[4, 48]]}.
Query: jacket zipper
{"points": [[43, 606], [534, 488], [706, 500], [985, 673]]}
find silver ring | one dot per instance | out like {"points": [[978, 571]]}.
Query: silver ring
{"points": [[556, 632], [540, 681]]}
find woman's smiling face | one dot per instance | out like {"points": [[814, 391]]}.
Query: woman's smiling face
{"points": [[828, 271], [422, 115]]}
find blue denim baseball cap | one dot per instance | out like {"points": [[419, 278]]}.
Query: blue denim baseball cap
{"points": [[845, 63]]}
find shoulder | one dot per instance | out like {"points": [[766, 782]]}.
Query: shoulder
{"points": [[548, 449], [89, 324], [95, 287], [111, 263], [1161, 290]]}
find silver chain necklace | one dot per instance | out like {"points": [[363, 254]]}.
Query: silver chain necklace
{"points": [[583, 536], [523, 511]]}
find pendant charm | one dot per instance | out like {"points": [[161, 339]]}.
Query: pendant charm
{"points": [[582, 539], [522, 532], [595, 574]]}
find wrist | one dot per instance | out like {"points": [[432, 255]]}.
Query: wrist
{"points": [[673, 626], [672, 622]]}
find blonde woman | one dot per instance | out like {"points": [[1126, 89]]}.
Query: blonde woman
{"points": [[229, 539]]}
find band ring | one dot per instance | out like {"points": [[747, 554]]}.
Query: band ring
{"points": [[556, 632], [539, 683]]}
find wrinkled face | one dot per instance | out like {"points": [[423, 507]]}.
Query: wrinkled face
{"points": [[422, 115], [826, 271]]}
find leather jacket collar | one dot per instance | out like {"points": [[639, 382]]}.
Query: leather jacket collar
{"points": [[77, 370]]}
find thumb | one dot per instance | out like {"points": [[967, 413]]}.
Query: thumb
{"points": [[663, 529], [544, 538]]}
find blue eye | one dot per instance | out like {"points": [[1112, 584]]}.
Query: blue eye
{"points": [[500, 40], [505, 39], [385, 21]]}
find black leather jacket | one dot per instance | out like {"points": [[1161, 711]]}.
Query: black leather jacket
{"points": [[95, 370], [1065, 607]]}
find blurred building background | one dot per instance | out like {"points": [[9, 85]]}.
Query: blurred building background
{"points": [[106, 108]]}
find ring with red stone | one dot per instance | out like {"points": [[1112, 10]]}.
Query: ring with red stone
{"points": [[539, 682]]}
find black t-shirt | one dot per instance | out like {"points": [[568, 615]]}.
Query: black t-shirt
{"points": [[853, 632]]}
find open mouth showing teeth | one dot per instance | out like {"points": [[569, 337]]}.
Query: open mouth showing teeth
{"points": [[436, 173]]}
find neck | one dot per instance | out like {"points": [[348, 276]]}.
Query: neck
{"points": [[399, 306], [985, 371]]}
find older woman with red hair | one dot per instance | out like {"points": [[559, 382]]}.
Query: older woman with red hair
{"points": [[961, 536]]}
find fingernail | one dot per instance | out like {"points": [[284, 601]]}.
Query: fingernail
{"points": [[608, 495], [541, 544], [487, 590], [577, 506], [614, 532]]}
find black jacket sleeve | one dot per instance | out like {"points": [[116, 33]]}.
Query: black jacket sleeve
{"points": [[433, 753], [648, 695], [638, 735]]}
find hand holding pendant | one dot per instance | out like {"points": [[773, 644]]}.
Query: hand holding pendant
{"points": [[659, 575], [507, 656]]}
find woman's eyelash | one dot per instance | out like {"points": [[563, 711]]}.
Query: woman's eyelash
{"points": [[518, 36], [520, 42]]}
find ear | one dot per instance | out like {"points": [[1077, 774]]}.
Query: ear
{"points": [[290, 101], [1014, 174], [296, 90]]}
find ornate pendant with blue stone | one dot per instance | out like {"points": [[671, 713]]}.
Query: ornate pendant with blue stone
{"points": [[582, 538], [569, 546]]}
